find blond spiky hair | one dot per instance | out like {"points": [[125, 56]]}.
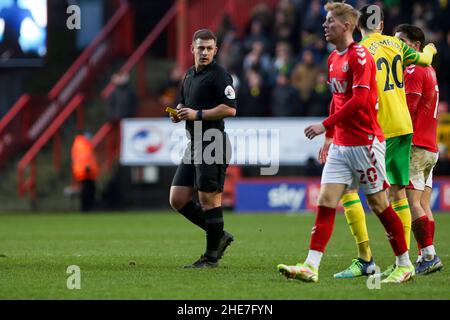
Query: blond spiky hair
{"points": [[344, 11]]}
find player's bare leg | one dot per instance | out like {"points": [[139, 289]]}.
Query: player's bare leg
{"points": [[179, 196], [425, 203], [330, 194]]}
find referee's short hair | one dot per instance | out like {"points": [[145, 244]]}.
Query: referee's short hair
{"points": [[366, 13], [413, 33], [204, 34]]}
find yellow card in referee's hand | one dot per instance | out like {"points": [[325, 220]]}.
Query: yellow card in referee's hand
{"points": [[171, 111]]}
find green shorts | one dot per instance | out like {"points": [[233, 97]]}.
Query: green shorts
{"points": [[398, 150]]}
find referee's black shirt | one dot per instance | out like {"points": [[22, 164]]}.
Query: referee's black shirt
{"points": [[206, 90]]}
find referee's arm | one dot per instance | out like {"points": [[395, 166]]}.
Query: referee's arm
{"points": [[219, 112]]}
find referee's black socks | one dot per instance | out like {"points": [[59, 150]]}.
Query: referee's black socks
{"points": [[194, 213], [214, 232]]}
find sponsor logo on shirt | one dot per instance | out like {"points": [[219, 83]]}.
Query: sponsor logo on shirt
{"points": [[345, 67], [338, 86]]}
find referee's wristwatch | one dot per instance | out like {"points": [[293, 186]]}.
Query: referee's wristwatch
{"points": [[199, 115]]}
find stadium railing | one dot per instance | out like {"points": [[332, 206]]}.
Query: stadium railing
{"points": [[11, 138], [105, 141], [106, 145], [90, 56], [26, 181], [139, 53], [29, 117]]}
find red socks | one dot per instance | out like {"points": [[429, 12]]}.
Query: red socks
{"points": [[394, 229], [422, 229], [323, 228], [432, 229]]}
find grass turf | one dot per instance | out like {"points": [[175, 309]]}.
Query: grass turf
{"points": [[37, 249]]}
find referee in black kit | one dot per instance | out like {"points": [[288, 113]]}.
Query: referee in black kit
{"points": [[207, 97]]}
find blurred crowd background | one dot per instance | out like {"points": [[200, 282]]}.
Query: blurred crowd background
{"points": [[279, 63]]}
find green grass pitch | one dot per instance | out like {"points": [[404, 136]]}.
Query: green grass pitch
{"points": [[37, 249]]}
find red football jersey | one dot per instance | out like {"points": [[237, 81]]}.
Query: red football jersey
{"points": [[422, 81], [354, 67]]}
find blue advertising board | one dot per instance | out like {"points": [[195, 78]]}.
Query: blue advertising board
{"points": [[297, 195]]}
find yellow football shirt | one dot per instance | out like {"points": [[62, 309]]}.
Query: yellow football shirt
{"points": [[391, 55]]}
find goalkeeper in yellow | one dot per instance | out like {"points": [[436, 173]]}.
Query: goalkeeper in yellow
{"points": [[391, 55]]}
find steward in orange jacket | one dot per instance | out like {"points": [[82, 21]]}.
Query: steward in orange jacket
{"points": [[84, 165], [84, 170]]}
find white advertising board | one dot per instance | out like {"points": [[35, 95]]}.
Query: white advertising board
{"points": [[254, 141]]}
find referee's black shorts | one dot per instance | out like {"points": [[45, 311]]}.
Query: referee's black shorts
{"points": [[202, 176]]}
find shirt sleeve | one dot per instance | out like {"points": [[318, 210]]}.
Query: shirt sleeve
{"points": [[359, 64], [225, 90], [410, 56]]}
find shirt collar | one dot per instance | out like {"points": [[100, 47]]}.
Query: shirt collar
{"points": [[341, 53], [206, 68]]}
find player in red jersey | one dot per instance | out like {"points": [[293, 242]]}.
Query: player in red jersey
{"points": [[422, 95], [358, 147]]}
